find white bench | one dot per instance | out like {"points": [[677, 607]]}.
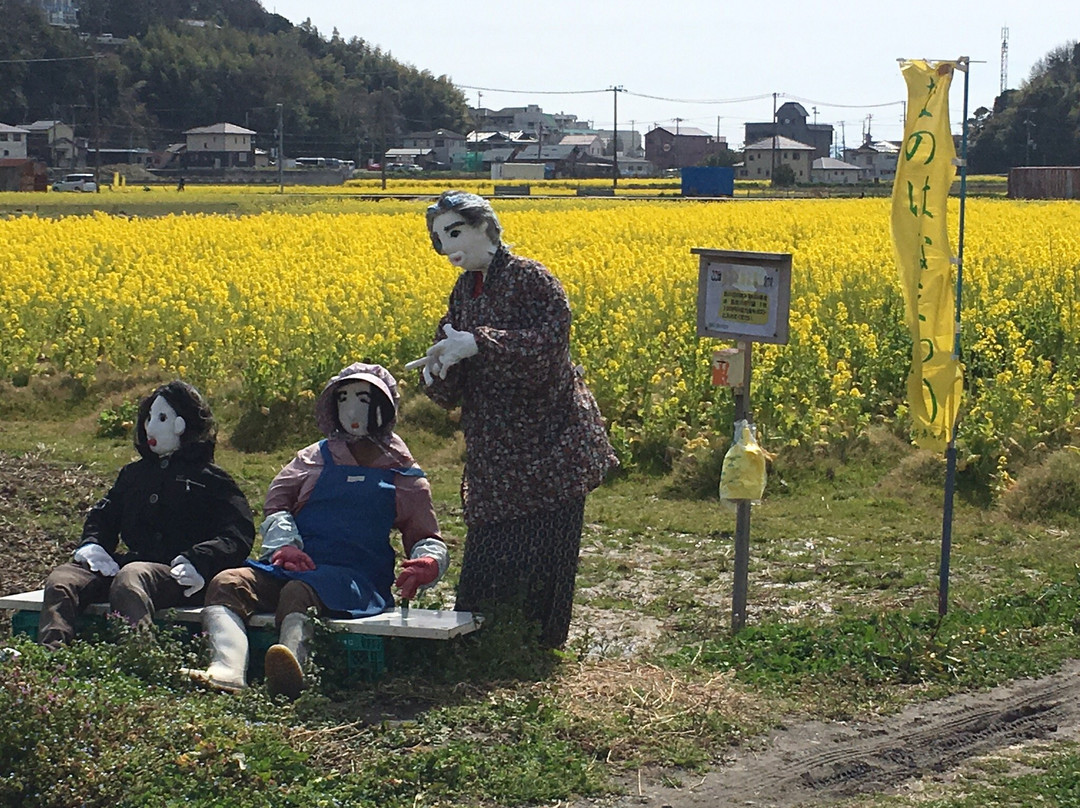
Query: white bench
{"points": [[426, 624]]}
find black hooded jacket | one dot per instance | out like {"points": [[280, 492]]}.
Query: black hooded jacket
{"points": [[181, 504]]}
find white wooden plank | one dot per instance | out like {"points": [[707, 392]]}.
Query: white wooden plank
{"points": [[428, 624]]}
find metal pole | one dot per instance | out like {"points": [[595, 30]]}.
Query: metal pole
{"points": [[742, 512], [950, 451], [281, 148], [615, 140]]}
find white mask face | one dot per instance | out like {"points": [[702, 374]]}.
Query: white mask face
{"points": [[468, 247], [163, 428], [353, 406]]}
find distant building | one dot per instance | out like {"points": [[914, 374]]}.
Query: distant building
{"points": [[13, 142], [592, 145], [53, 142], [876, 160], [62, 13], [791, 123], [220, 145], [636, 167], [629, 141], [759, 158], [680, 147], [830, 171], [444, 145]]}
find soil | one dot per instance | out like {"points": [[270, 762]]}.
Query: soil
{"points": [[815, 763], [42, 505]]}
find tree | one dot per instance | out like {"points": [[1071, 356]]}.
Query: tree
{"points": [[1037, 124], [783, 176]]}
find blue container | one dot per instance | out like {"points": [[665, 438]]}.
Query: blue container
{"points": [[708, 181]]}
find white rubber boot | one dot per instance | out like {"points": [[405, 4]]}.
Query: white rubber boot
{"points": [[284, 663], [228, 650]]}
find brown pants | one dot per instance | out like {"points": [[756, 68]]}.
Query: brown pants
{"points": [[246, 590], [135, 593]]}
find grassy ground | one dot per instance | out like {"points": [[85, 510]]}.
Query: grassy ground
{"points": [[842, 623]]}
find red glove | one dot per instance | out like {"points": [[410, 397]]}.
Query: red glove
{"points": [[415, 573], [292, 558]]}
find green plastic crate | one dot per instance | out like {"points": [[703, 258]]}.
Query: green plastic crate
{"points": [[365, 653], [25, 623]]}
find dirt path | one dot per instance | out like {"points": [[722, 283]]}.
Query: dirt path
{"points": [[818, 764]]}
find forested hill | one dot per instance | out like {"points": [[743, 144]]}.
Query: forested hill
{"points": [[1037, 124], [187, 63]]}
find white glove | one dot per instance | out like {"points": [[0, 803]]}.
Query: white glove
{"points": [[185, 574], [445, 353], [97, 558]]}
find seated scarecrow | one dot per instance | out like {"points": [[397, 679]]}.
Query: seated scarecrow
{"points": [[181, 518], [326, 536]]}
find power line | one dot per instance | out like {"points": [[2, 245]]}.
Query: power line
{"points": [[51, 59], [843, 106], [531, 92]]}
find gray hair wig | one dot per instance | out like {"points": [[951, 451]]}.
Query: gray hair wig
{"points": [[473, 209]]}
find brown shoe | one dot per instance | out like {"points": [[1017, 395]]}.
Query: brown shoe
{"points": [[283, 673]]}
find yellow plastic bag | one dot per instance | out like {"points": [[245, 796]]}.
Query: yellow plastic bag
{"points": [[743, 472]]}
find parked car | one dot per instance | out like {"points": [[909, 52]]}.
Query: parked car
{"points": [[408, 168], [76, 182]]}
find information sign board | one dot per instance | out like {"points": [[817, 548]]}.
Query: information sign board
{"points": [[743, 295]]}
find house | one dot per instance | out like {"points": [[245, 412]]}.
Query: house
{"points": [[61, 13], [791, 123], [593, 145], [221, 145], [830, 171], [563, 160], [409, 157], [629, 141], [13, 142], [876, 159], [684, 146], [444, 145], [52, 142], [760, 157], [636, 167]]}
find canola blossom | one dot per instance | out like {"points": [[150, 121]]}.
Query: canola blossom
{"points": [[278, 301]]}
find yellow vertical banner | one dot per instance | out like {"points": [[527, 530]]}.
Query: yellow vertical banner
{"points": [[924, 176]]}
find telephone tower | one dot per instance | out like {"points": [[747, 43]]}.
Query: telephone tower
{"points": [[1004, 60]]}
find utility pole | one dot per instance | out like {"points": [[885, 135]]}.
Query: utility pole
{"points": [[772, 173], [476, 134], [615, 90], [97, 129], [281, 148]]}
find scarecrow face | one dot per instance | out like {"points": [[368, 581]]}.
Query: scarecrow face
{"points": [[353, 406], [163, 428], [467, 246]]}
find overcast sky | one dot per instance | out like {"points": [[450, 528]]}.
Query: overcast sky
{"points": [[703, 63]]}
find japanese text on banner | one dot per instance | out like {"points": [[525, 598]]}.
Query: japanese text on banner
{"points": [[924, 176]]}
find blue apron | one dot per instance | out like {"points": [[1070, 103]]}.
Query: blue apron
{"points": [[346, 530]]}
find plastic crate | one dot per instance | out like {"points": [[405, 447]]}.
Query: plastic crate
{"points": [[25, 623], [365, 654], [259, 642]]}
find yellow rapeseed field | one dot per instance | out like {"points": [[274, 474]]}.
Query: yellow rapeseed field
{"points": [[280, 300]]}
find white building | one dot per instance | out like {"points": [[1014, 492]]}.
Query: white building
{"points": [[876, 160], [830, 171], [13, 141]]}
